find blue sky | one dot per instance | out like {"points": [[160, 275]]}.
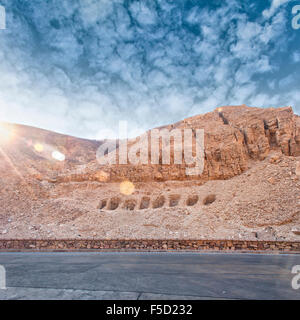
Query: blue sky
{"points": [[80, 66]]}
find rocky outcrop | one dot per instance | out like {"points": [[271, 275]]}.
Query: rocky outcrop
{"points": [[234, 137], [250, 183]]}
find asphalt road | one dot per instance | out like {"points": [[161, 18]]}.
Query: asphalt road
{"points": [[148, 276]]}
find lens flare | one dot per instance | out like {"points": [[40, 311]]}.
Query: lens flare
{"points": [[6, 134], [58, 156], [38, 147], [127, 188], [102, 176]]}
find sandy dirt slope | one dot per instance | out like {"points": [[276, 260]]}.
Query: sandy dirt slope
{"points": [[249, 188]]}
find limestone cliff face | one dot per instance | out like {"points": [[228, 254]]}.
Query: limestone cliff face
{"points": [[234, 137]]}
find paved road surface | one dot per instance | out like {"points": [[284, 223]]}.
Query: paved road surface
{"points": [[148, 276]]}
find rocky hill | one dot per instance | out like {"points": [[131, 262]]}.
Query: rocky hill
{"points": [[53, 186], [233, 138]]}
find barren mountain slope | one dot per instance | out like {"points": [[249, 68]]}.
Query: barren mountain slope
{"points": [[234, 137], [249, 188]]}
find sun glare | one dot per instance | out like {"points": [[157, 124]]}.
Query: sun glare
{"points": [[6, 134], [127, 188], [38, 147], [58, 156]]}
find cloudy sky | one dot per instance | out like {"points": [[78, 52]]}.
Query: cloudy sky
{"points": [[80, 66]]}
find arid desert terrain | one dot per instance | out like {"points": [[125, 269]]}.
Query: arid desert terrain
{"points": [[52, 185]]}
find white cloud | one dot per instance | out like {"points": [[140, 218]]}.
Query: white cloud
{"points": [[142, 13], [268, 13], [296, 56], [101, 67]]}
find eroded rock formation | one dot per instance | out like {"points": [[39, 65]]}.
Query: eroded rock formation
{"points": [[234, 137], [250, 183]]}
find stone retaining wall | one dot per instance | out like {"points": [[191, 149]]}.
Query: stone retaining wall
{"points": [[148, 245]]}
